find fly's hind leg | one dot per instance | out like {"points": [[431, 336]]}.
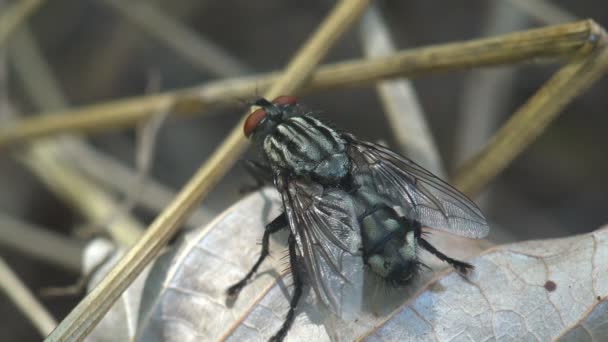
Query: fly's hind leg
{"points": [[277, 224], [461, 266], [297, 291]]}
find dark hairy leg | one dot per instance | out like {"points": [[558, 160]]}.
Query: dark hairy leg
{"points": [[297, 291], [277, 224], [460, 266]]}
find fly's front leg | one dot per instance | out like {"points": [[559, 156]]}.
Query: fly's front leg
{"points": [[261, 173], [277, 224], [297, 291]]}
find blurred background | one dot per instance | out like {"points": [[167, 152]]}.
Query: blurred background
{"points": [[73, 53]]}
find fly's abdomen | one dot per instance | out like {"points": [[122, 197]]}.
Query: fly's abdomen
{"points": [[389, 247], [306, 146]]}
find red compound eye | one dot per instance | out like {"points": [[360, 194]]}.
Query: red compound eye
{"points": [[253, 120], [257, 116], [285, 100]]}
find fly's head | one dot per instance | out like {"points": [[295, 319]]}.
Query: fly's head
{"points": [[264, 120]]}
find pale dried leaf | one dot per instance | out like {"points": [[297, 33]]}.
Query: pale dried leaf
{"points": [[537, 290], [527, 291], [592, 327]]}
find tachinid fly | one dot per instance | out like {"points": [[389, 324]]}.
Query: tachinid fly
{"points": [[349, 205]]}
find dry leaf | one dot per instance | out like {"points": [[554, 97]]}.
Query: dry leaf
{"points": [[537, 290]]}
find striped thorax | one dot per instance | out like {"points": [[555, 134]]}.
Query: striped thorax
{"points": [[299, 143]]}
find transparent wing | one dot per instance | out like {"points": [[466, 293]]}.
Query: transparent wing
{"points": [[324, 222], [435, 203]]}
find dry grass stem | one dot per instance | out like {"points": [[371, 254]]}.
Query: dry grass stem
{"points": [[201, 53], [486, 93], [40, 243], [45, 92], [46, 158], [547, 44], [88, 312], [529, 121], [25, 300], [119, 178], [33, 72], [15, 15], [144, 156], [400, 102]]}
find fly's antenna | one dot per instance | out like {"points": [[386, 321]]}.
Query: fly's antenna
{"points": [[262, 102], [272, 111], [256, 101]]}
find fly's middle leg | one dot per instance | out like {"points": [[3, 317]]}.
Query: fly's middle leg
{"points": [[277, 224]]}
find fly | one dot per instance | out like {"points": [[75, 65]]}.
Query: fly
{"points": [[349, 205]]}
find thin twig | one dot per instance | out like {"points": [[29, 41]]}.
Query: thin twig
{"points": [[117, 177], [41, 243], [486, 92], [485, 96], [25, 300], [15, 15], [80, 286], [86, 315], [532, 117], [144, 156], [201, 53], [548, 44], [44, 159], [405, 115]]}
